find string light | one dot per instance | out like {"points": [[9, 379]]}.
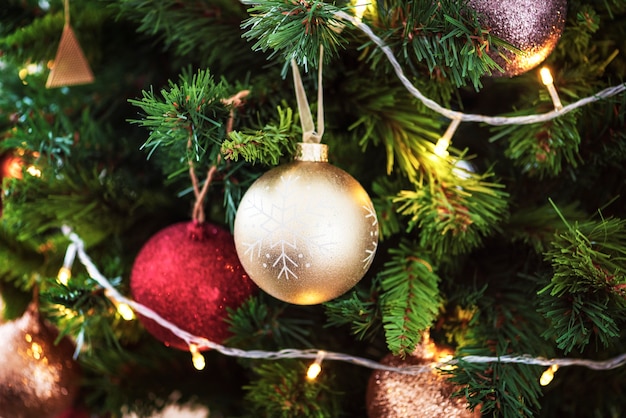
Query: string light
{"points": [[465, 117], [441, 148], [196, 357], [548, 81], [316, 367], [199, 342], [123, 309], [65, 272], [548, 375]]}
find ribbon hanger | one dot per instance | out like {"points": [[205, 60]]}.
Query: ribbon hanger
{"points": [[309, 134]]}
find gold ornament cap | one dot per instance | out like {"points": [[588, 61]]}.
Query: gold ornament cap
{"points": [[311, 151]]}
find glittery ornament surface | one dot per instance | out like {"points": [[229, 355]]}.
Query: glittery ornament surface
{"points": [[189, 274], [426, 395], [533, 26], [38, 379], [306, 232]]}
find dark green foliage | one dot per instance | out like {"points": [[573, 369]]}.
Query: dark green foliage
{"points": [[479, 258], [295, 29], [585, 298], [278, 390], [259, 325], [409, 298], [359, 310], [264, 146], [454, 213], [445, 37]]}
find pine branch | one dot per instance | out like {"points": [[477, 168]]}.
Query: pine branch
{"points": [[542, 149], [536, 226], [586, 296], [445, 37], [190, 111], [18, 259], [454, 214], [409, 298], [397, 121], [295, 29], [281, 390], [505, 322], [259, 325], [264, 146], [359, 310], [207, 30]]}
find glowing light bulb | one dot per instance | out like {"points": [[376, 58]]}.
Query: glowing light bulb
{"points": [[33, 171], [196, 357], [548, 375], [441, 148], [360, 6], [125, 311], [315, 368], [64, 275], [546, 76], [548, 81]]}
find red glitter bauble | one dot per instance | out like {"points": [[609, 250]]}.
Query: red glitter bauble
{"points": [[189, 274]]}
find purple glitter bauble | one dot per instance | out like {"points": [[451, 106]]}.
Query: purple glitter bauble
{"points": [[189, 274], [533, 26]]}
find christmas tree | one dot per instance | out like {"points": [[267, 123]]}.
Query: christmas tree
{"points": [[423, 200]]}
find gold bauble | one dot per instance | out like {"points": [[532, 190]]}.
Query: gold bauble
{"points": [[38, 378], [425, 395], [306, 232]]}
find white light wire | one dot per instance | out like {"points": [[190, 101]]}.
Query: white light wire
{"points": [[465, 117], [291, 353]]}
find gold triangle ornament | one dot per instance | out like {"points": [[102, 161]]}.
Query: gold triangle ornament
{"points": [[70, 67]]}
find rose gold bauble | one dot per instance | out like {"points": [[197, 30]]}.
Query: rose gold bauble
{"points": [[306, 232], [425, 395], [533, 26], [38, 378]]}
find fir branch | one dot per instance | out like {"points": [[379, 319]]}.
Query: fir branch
{"points": [[257, 325], [536, 226], [264, 146], [188, 111], [409, 298], [505, 321], [396, 120], [358, 309], [281, 390], [542, 149], [389, 221], [455, 214], [445, 37], [296, 29], [586, 296], [19, 260], [208, 30]]}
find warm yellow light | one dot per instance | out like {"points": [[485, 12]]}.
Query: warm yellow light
{"points": [[441, 148], [313, 371], [36, 350], [125, 311], [64, 275], [315, 368], [546, 76], [33, 171], [360, 6], [196, 357], [548, 375]]}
